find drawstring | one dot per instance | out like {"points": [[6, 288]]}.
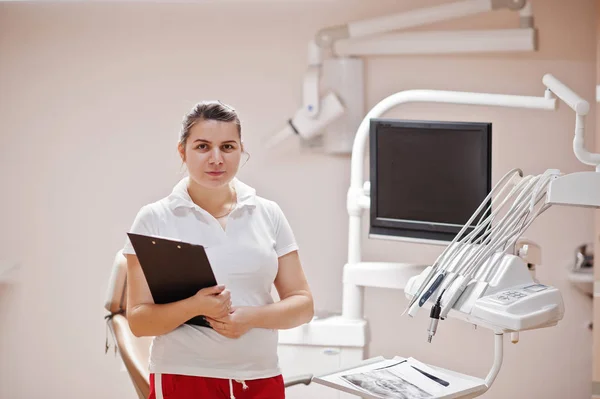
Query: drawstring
{"points": [[244, 386]]}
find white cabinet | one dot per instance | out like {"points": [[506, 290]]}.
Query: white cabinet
{"points": [[321, 347]]}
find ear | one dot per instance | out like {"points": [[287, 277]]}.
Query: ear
{"points": [[181, 150]]}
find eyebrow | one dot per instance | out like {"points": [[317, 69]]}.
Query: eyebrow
{"points": [[206, 141]]}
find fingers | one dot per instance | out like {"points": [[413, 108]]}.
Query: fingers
{"points": [[223, 327], [220, 320], [218, 326], [224, 308], [214, 290], [225, 298], [217, 305], [225, 295], [215, 326]]}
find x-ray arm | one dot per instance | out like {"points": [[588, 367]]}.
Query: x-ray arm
{"points": [[377, 36]]}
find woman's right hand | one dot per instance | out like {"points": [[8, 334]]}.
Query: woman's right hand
{"points": [[214, 302]]}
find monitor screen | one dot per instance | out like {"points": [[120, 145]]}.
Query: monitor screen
{"points": [[427, 178]]}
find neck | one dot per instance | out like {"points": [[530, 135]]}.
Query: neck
{"points": [[212, 200]]}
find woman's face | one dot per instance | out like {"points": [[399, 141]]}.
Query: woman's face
{"points": [[212, 153]]}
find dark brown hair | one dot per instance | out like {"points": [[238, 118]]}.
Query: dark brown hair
{"points": [[208, 110]]}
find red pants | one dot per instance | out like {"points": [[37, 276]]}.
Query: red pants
{"points": [[173, 386]]}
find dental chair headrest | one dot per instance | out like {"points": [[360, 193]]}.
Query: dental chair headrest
{"points": [[116, 298]]}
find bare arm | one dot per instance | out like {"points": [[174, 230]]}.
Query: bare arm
{"points": [[296, 305], [149, 319]]}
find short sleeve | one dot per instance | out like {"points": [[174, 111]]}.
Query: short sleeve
{"points": [[285, 242], [143, 224]]}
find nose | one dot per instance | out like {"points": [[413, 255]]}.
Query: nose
{"points": [[216, 157]]}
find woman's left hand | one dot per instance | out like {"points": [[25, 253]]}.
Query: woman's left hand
{"points": [[234, 325]]}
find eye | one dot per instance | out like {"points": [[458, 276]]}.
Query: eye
{"points": [[228, 147], [202, 146]]}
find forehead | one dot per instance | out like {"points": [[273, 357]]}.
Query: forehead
{"points": [[214, 131]]}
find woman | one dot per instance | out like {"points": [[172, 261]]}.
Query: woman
{"points": [[250, 246]]}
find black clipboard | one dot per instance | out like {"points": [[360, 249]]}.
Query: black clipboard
{"points": [[174, 270]]}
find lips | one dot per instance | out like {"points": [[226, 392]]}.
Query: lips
{"points": [[217, 173]]}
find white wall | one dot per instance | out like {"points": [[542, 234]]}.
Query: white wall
{"points": [[90, 104]]}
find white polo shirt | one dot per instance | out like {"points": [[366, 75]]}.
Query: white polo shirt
{"points": [[244, 258]]}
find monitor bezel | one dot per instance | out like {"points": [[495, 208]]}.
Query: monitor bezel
{"points": [[420, 230]]}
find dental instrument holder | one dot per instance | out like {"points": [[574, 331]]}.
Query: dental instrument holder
{"points": [[576, 189]]}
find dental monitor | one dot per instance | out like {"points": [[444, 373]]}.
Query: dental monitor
{"points": [[427, 178]]}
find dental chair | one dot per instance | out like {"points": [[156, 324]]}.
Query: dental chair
{"points": [[134, 351]]}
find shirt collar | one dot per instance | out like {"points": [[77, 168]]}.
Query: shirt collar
{"points": [[179, 197]]}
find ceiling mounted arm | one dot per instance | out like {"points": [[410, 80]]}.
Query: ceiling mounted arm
{"points": [[328, 36]]}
